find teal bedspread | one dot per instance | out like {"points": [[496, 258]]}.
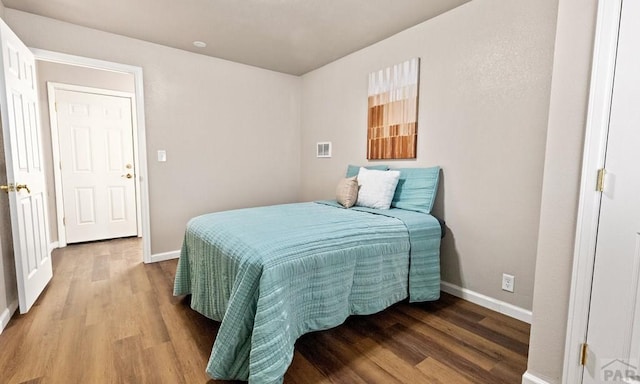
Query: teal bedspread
{"points": [[272, 274]]}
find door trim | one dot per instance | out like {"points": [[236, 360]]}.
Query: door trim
{"points": [[52, 87], [141, 156], [595, 145]]}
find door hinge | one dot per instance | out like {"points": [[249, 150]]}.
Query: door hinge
{"points": [[583, 354], [55, 106], [64, 221], [600, 180]]}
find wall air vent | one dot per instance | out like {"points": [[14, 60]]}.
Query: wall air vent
{"points": [[323, 149]]}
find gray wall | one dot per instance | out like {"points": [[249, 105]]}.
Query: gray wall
{"points": [[69, 74], [231, 131], [563, 166], [484, 95]]}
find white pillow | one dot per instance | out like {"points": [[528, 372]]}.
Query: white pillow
{"points": [[376, 188]]}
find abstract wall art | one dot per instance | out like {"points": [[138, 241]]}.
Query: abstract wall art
{"points": [[392, 128]]}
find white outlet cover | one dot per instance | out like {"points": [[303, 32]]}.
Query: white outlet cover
{"points": [[508, 282], [162, 155]]}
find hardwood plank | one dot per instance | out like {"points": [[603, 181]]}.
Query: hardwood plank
{"points": [[24, 347], [440, 353], [100, 303], [366, 369], [471, 321], [161, 365], [509, 371], [479, 342], [100, 270], [327, 363], [194, 350], [78, 296], [486, 312], [506, 328], [138, 278], [128, 359], [390, 362], [392, 338], [303, 371], [349, 332], [151, 325], [65, 356], [437, 373], [447, 342], [97, 355]]}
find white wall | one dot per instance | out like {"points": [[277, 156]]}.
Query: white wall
{"points": [[484, 95], [231, 131]]}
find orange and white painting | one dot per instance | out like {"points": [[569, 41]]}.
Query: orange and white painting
{"points": [[392, 128]]}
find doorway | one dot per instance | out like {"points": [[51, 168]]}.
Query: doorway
{"points": [[93, 132], [138, 165], [613, 330], [603, 330]]}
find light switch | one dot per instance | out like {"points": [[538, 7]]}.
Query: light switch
{"points": [[162, 155]]}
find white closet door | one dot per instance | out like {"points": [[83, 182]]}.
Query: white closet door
{"points": [[614, 322], [98, 178]]}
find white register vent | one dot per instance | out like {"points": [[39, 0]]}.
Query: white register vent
{"points": [[323, 149]]}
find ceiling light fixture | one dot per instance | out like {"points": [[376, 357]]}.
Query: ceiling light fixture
{"points": [[199, 44]]}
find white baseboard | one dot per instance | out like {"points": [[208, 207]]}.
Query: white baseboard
{"points": [[53, 245], [164, 256], [529, 378], [487, 302], [5, 316]]}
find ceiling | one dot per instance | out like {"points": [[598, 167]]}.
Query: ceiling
{"points": [[290, 36]]}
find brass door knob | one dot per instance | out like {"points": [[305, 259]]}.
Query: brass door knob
{"points": [[17, 187], [22, 186], [128, 176], [7, 188]]}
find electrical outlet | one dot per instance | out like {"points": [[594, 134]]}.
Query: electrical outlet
{"points": [[507, 282]]}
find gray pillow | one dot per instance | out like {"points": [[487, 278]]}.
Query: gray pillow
{"points": [[347, 192]]}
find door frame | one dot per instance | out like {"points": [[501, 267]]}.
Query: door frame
{"points": [[52, 87], [139, 129], [595, 147]]}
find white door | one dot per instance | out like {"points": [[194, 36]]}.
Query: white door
{"points": [[25, 176], [613, 336], [95, 134]]}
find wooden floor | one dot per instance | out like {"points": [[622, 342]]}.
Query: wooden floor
{"points": [[107, 318]]}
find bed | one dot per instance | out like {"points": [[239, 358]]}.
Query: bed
{"points": [[271, 274]]}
